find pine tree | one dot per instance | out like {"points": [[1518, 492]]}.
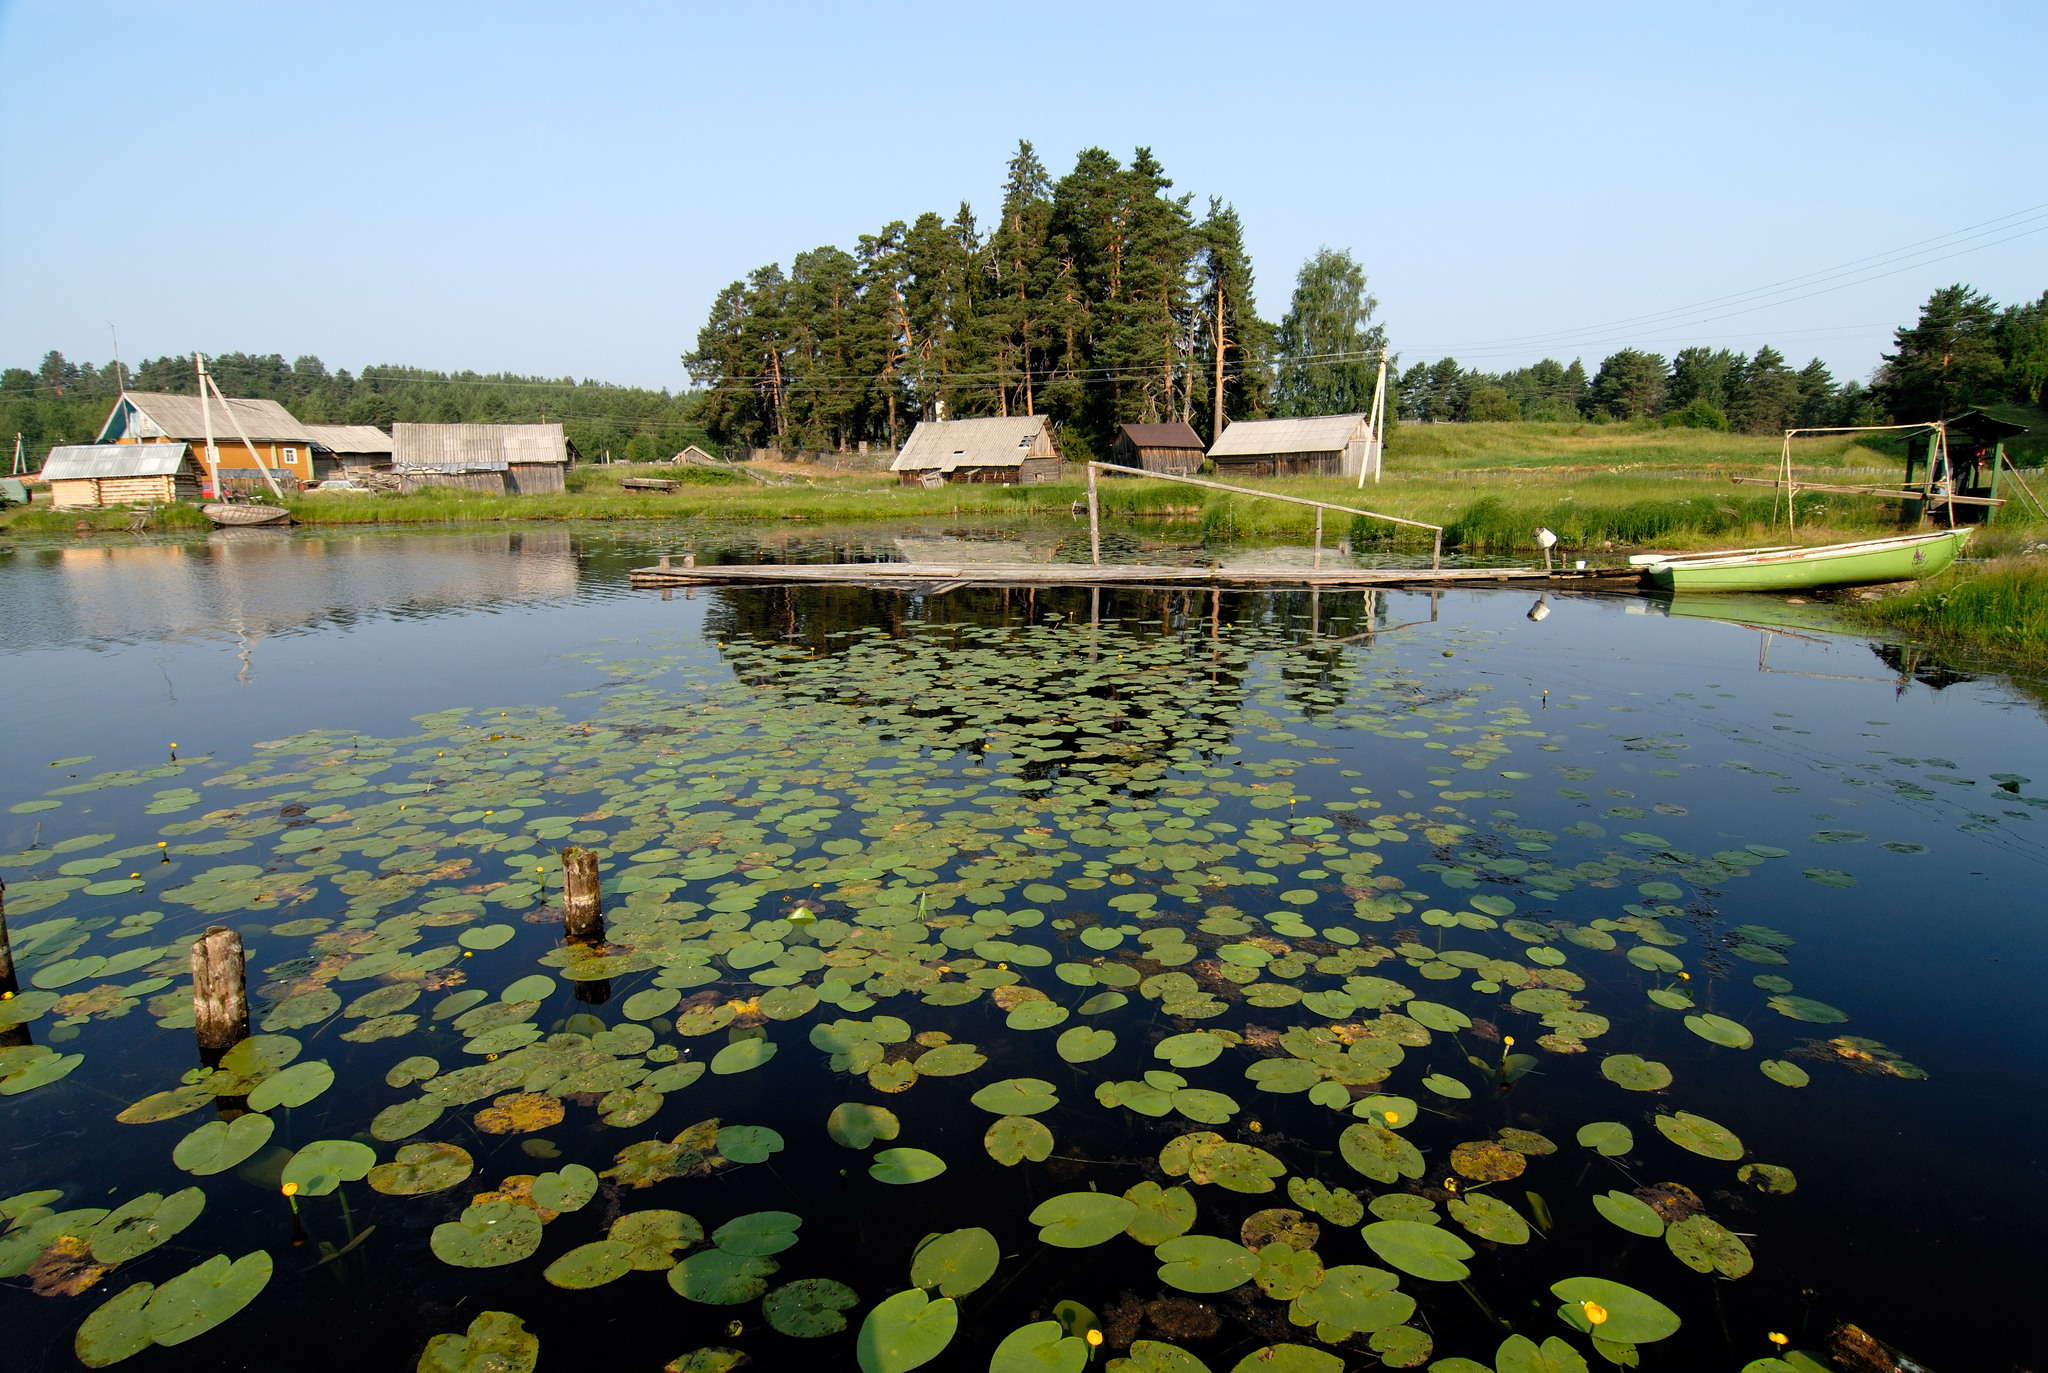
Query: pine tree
{"points": [[1231, 339], [1948, 362]]}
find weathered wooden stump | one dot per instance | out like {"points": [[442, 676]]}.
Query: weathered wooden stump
{"points": [[582, 909], [220, 994]]}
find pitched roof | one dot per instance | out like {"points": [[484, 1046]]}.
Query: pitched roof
{"points": [[1174, 435], [1316, 434], [943, 445], [474, 447], [74, 461], [162, 415], [350, 438]]}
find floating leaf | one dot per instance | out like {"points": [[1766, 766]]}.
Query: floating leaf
{"points": [[1631, 1213], [519, 1112], [1635, 1074], [1486, 1161], [748, 1143], [718, 1277], [1355, 1297], [1447, 1087], [1426, 1251], [203, 1296], [405, 1118], [1633, 1317], [497, 1342], [1083, 1045], [956, 1262], [1806, 1009], [1017, 1096], [653, 1002], [1379, 1153], [1079, 1220], [485, 937], [1204, 1263], [906, 1331], [903, 1166], [591, 1265], [1013, 1139], [1041, 1347], [422, 1168], [1720, 1030], [1036, 1015], [652, 1237], [1520, 1354], [1707, 1246], [1700, 1135], [1402, 1346], [1163, 1213], [407, 1071], [1489, 1218], [167, 1105], [142, 1223], [1195, 1049], [295, 1086], [949, 1060], [1768, 1177], [741, 1056], [118, 1329], [220, 1145], [489, 1235], [1154, 1356], [856, 1125], [325, 1164], [1285, 1272], [809, 1308], [568, 1190], [758, 1234], [1437, 1017]]}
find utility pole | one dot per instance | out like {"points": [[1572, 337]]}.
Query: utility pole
{"points": [[17, 454], [1375, 429], [206, 415]]}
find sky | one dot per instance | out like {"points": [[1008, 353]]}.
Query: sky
{"points": [[562, 189]]}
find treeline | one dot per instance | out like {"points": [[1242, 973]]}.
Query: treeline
{"points": [[64, 402], [1964, 351], [1096, 299]]}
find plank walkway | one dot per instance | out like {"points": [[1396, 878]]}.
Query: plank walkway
{"points": [[950, 576]]}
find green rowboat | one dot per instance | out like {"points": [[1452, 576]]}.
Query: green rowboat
{"points": [[1900, 559]]}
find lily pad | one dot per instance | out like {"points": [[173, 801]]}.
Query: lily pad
{"points": [[485, 937], [1437, 1017], [1633, 1317], [118, 1329], [1080, 1220], [949, 1060], [1013, 1139], [741, 1056], [1379, 1153], [1204, 1263], [1289, 1358], [653, 1237], [1631, 1213], [1635, 1074], [1425, 1251], [1520, 1354], [758, 1233], [496, 1342], [748, 1143], [422, 1168], [1807, 1009], [906, 1331], [1768, 1177], [567, 1190], [655, 1001], [1286, 1272], [1700, 1135], [325, 1164], [902, 1166], [142, 1223], [956, 1262], [1785, 1073], [1195, 1049], [1489, 1218], [1487, 1161], [1017, 1096], [1445, 1086], [1084, 1045], [1036, 1015], [591, 1265], [809, 1308], [405, 1118], [856, 1125], [489, 1235], [219, 1145], [1041, 1347], [1707, 1246], [718, 1277], [295, 1086], [1163, 1213], [204, 1295], [1720, 1030], [1355, 1297]]}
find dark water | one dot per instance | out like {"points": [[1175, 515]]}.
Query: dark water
{"points": [[856, 740]]}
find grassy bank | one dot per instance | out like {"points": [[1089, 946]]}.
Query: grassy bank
{"points": [[1636, 444], [1996, 609]]}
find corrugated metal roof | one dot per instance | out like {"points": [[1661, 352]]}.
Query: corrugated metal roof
{"points": [[350, 438], [943, 445], [1316, 434], [1174, 435], [76, 461], [178, 417], [474, 447]]}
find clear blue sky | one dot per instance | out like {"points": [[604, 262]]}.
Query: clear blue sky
{"points": [[561, 189]]}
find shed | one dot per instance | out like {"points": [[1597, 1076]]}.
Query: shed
{"points": [[1013, 451], [1173, 448], [1977, 458], [695, 456], [499, 459], [281, 443], [1321, 445], [82, 475], [341, 450]]}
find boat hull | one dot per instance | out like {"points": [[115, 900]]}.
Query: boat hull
{"points": [[244, 516], [1807, 569]]}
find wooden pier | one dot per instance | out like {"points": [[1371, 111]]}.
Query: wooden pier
{"points": [[939, 577]]}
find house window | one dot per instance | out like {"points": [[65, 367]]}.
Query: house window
{"points": [[289, 456]]}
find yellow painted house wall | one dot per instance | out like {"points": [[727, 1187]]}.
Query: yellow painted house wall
{"points": [[232, 455]]}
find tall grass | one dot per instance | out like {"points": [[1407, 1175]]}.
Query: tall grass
{"points": [[1998, 608], [1638, 443]]}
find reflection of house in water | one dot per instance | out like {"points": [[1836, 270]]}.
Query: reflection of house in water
{"points": [[253, 582]]}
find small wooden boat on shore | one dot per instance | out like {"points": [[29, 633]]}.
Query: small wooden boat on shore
{"points": [[1903, 558], [237, 516]]}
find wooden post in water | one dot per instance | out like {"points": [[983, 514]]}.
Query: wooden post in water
{"points": [[582, 910], [220, 994], [1319, 538], [1094, 520], [8, 986]]}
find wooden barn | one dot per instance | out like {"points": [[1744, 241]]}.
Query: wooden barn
{"points": [[1014, 451], [1322, 446], [281, 444], [1172, 448], [493, 459], [349, 450], [91, 474]]}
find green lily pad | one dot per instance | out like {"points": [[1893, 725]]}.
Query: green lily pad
{"points": [[325, 1164], [497, 1342], [220, 1145], [1013, 1139], [1635, 1074], [532, 987], [1288, 1358], [1631, 1213], [1707, 1246], [717, 1277], [204, 1295], [906, 1331], [1103, 1001], [1355, 1297], [758, 1233], [653, 1237], [1720, 1030], [295, 1086], [305, 1008], [1379, 1153], [655, 1001], [809, 1308], [1700, 1135], [1036, 1015], [487, 1236], [1402, 1346], [1489, 1218], [422, 1168], [407, 1071], [117, 1329], [1337, 1205], [570, 1189], [30, 1066], [1437, 1017], [1195, 1049], [1017, 1096], [1609, 1138], [1784, 1072], [1807, 1009], [1156, 1356], [142, 1223], [405, 1118], [1447, 1087], [1204, 1263], [1041, 1347], [1520, 1354], [1633, 1317], [741, 1056], [485, 937], [591, 1265], [1080, 1220], [856, 1125], [1830, 877], [1285, 1272], [956, 1262], [949, 1060], [1084, 1045], [902, 1166], [1425, 1251], [1389, 1112], [1768, 1177], [748, 1143], [1163, 1213]]}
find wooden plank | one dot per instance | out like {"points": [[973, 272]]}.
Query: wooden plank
{"points": [[948, 576]]}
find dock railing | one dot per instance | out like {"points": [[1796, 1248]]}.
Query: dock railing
{"points": [[1436, 557]]}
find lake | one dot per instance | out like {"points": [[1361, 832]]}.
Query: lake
{"points": [[1255, 980]]}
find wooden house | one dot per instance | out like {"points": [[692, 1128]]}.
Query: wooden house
{"points": [[281, 443], [82, 475], [695, 456], [1321, 445], [349, 450], [495, 459], [1172, 448], [1014, 451]]}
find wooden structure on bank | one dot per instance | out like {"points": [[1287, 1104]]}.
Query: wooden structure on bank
{"points": [[491, 459], [1015, 451], [1173, 448], [256, 442], [85, 475], [1959, 491], [1317, 446], [349, 450]]}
